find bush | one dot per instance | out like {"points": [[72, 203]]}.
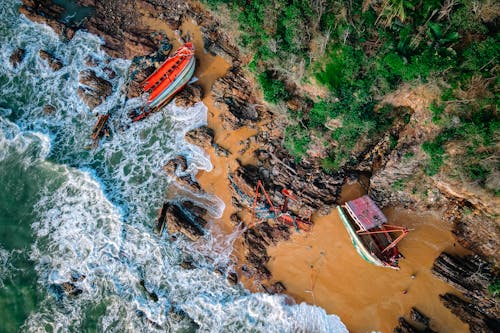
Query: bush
{"points": [[296, 141], [274, 89]]}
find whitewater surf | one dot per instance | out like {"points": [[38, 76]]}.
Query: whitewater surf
{"points": [[70, 214]]}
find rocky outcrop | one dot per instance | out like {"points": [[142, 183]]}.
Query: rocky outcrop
{"points": [[95, 89], [48, 13], [470, 314], [318, 190], [48, 109], [185, 218], [202, 136], [16, 57], [472, 276], [257, 239], [234, 96], [189, 96], [54, 64]]}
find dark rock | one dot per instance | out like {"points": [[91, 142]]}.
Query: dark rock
{"points": [[180, 219], [189, 182], [187, 264], [232, 278], [70, 289], [478, 321], [54, 63], [49, 109], [202, 136], [96, 89], [233, 93], [405, 327], [39, 15], [279, 288], [152, 295], [419, 317], [16, 57], [189, 95], [470, 275], [177, 164], [110, 72]]}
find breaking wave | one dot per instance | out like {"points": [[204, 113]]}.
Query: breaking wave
{"points": [[92, 230]]}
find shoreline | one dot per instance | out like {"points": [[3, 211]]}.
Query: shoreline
{"points": [[241, 144]]}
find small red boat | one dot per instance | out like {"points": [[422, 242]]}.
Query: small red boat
{"points": [[170, 68], [167, 80]]}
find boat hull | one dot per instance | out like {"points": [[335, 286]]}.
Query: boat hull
{"points": [[358, 243], [178, 84]]}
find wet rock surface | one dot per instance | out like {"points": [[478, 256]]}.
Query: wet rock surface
{"points": [[48, 109], [16, 57], [189, 96], [54, 63], [233, 93], [202, 136], [95, 90], [471, 275], [185, 218]]}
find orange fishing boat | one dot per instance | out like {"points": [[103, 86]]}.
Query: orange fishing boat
{"points": [[170, 68], [167, 80]]}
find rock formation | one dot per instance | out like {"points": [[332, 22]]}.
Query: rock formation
{"points": [[95, 89], [16, 57], [54, 64], [472, 276]]}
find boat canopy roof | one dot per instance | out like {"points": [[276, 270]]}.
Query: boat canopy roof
{"points": [[365, 213]]}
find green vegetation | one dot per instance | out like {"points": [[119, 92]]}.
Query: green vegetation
{"points": [[360, 51], [494, 288]]}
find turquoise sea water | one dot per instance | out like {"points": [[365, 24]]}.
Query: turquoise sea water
{"points": [[68, 212]]}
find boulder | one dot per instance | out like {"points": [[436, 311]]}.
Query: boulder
{"points": [[202, 136], [16, 57], [189, 96], [48, 109], [53, 63], [95, 89], [182, 219], [234, 93]]}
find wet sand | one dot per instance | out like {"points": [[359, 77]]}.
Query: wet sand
{"points": [[322, 267]]}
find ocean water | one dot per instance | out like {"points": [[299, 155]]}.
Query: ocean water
{"points": [[71, 213]]}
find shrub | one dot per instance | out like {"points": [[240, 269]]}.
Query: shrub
{"points": [[274, 89], [296, 141]]}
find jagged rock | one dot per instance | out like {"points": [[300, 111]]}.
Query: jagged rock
{"points": [[54, 63], [202, 136], [96, 89], [405, 327], [44, 15], [478, 321], [470, 275], [218, 43], [189, 95], [232, 278], [419, 317], [70, 289], [151, 294], [184, 220], [110, 72], [48, 109], [233, 93], [91, 61], [16, 57], [187, 264], [177, 164], [189, 182]]}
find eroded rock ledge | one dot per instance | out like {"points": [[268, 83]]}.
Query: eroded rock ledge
{"points": [[471, 275]]}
